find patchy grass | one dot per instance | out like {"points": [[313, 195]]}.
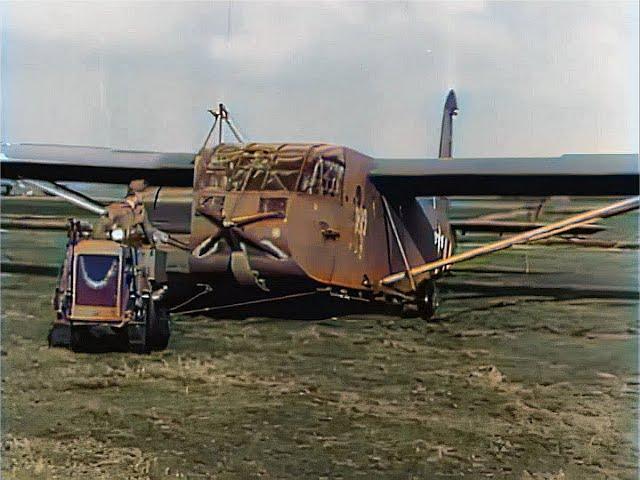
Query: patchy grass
{"points": [[497, 387], [523, 388]]}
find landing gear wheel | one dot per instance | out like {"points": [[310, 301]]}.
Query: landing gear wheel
{"points": [[427, 299]]}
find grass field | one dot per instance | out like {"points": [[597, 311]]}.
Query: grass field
{"points": [[495, 387], [517, 386]]}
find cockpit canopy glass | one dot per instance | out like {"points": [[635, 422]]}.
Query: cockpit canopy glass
{"points": [[311, 169], [322, 175]]}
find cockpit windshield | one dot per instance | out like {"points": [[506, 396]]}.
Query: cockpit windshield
{"points": [[274, 167], [322, 175]]}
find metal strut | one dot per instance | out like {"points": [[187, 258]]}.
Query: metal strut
{"points": [[396, 237], [540, 233], [222, 117]]}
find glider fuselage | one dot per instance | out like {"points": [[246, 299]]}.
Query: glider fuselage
{"points": [[274, 213]]}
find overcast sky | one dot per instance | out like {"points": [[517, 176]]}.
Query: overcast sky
{"points": [[531, 78]]}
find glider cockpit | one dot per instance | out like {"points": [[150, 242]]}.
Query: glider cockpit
{"points": [[272, 167]]}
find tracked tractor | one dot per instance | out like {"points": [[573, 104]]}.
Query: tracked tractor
{"points": [[113, 281]]}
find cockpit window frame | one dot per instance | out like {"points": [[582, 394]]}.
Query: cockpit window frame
{"points": [[269, 165], [275, 168], [319, 161]]}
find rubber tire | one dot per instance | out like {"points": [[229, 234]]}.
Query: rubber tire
{"points": [[156, 331], [427, 299], [158, 326], [139, 348], [140, 332]]}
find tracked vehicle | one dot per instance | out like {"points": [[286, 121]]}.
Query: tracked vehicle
{"points": [[110, 286]]}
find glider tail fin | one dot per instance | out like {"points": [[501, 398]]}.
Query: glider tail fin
{"points": [[446, 132]]}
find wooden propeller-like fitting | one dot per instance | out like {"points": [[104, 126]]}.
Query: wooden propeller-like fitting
{"points": [[232, 232]]}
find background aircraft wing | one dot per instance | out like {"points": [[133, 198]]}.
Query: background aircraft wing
{"points": [[504, 226], [580, 175], [94, 164]]}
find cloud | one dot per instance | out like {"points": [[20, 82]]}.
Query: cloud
{"points": [[532, 78]]}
